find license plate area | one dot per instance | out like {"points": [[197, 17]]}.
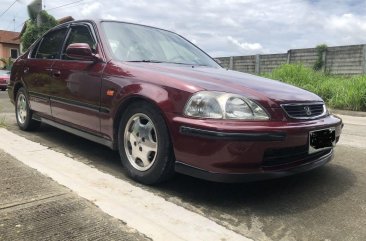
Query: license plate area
{"points": [[320, 140]]}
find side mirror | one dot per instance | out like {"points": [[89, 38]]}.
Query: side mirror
{"points": [[80, 51]]}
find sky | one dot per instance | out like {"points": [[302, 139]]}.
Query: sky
{"points": [[222, 27]]}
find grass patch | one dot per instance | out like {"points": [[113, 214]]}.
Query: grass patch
{"points": [[2, 121], [340, 92]]}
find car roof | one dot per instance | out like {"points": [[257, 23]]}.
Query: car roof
{"points": [[109, 20]]}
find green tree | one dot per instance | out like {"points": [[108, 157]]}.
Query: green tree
{"points": [[8, 63], [37, 25]]}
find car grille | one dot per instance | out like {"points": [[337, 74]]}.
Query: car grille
{"points": [[283, 156], [304, 111]]}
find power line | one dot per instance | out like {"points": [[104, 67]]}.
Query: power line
{"points": [[7, 8], [24, 21], [79, 2], [12, 21], [65, 5]]}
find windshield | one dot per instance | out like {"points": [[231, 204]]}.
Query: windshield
{"points": [[136, 43]]}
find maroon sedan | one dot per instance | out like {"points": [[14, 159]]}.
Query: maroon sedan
{"points": [[167, 106], [4, 79]]}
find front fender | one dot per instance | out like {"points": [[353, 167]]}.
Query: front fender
{"points": [[152, 93], [125, 91]]}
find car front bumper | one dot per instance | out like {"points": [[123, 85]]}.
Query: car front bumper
{"points": [[233, 151], [249, 177]]}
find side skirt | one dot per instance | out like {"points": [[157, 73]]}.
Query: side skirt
{"points": [[83, 134]]}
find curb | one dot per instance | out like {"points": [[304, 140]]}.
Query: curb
{"points": [[348, 112]]}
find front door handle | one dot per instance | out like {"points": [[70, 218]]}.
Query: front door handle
{"points": [[26, 70], [56, 73]]}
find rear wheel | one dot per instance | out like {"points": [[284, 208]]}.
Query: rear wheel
{"points": [[144, 144], [24, 113]]}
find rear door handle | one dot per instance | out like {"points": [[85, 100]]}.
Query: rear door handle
{"points": [[26, 70]]}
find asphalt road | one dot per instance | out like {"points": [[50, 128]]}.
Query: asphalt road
{"points": [[325, 204]]}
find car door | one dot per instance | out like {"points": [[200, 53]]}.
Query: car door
{"points": [[76, 84], [37, 70]]}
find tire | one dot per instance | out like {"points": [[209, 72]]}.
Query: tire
{"points": [[144, 144], [24, 113]]}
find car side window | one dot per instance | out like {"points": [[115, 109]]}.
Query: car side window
{"points": [[79, 34], [51, 45], [34, 50]]}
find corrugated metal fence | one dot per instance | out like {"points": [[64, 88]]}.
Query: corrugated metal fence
{"points": [[340, 60]]}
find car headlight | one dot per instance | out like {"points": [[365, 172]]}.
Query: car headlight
{"points": [[326, 110], [220, 105]]}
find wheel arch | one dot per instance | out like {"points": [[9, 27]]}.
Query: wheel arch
{"points": [[16, 88], [122, 107], [166, 165]]}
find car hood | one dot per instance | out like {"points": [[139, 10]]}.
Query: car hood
{"points": [[266, 91]]}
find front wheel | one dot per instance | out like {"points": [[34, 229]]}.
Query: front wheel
{"points": [[144, 144], [24, 113]]}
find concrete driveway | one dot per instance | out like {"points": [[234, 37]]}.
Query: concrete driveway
{"points": [[326, 204]]}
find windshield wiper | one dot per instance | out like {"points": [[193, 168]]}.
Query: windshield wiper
{"points": [[146, 61], [160, 61]]}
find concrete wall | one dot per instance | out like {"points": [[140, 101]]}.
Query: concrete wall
{"points": [[340, 60], [244, 63], [349, 60], [269, 62]]}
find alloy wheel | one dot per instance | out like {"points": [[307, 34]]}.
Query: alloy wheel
{"points": [[22, 111], [141, 142]]}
